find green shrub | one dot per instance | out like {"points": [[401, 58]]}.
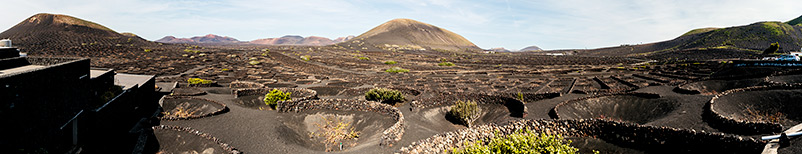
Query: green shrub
{"points": [[390, 62], [306, 57], [272, 98], [226, 70], [773, 48], [364, 58], [396, 70], [192, 51], [464, 111], [196, 81], [521, 142], [387, 96], [254, 62], [445, 64], [148, 50]]}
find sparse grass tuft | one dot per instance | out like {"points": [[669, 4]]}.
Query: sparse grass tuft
{"points": [[306, 57], [524, 142], [465, 111], [445, 64], [390, 62], [364, 58], [755, 115], [384, 95], [253, 62], [272, 98], [335, 133], [396, 70]]}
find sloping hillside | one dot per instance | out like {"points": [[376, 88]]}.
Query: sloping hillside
{"points": [[412, 34], [752, 38], [54, 34]]}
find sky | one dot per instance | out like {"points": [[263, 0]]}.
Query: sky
{"points": [[512, 24]]}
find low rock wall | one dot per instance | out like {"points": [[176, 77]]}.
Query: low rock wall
{"points": [[389, 136], [636, 136], [245, 84]]}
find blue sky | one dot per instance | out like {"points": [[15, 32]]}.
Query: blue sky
{"points": [[513, 24]]}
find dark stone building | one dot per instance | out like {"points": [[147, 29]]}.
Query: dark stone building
{"points": [[59, 105]]}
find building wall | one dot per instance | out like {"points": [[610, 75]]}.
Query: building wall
{"points": [[38, 102]]}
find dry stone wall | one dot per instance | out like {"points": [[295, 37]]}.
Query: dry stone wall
{"points": [[641, 137]]}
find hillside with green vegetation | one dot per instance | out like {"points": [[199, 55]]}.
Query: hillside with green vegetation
{"points": [[796, 22], [742, 41]]}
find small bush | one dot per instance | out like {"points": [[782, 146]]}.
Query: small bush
{"points": [[226, 70], [521, 142], [383, 95], [465, 111], [364, 58], [396, 70], [197, 81], [192, 51], [306, 57], [272, 98], [253, 62], [445, 64], [390, 62], [148, 50]]}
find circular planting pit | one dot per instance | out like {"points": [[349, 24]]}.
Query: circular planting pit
{"points": [[492, 108], [354, 123], [182, 107], [281, 85], [786, 79], [325, 130], [254, 97], [756, 110], [218, 90], [717, 86], [328, 90], [188, 91], [638, 108], [174, 139]]}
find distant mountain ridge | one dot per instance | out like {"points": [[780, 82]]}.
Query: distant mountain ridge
{"points": [[412, 34], [284, 40], [299, 40], [210, 38], [530, 48]]}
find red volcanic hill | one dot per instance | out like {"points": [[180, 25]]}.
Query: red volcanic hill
{"points": [[299, 40], [410, 33], [210, 38], [55, 34]]}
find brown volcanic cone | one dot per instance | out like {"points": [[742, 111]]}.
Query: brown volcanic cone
{"points": [[54, 34], [410, 32]]}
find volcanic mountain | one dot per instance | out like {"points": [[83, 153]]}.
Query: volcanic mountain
{"points": [[408, 32], [716, 43], [299, 40], [531, 48], [55, 34], [210, 38]]}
